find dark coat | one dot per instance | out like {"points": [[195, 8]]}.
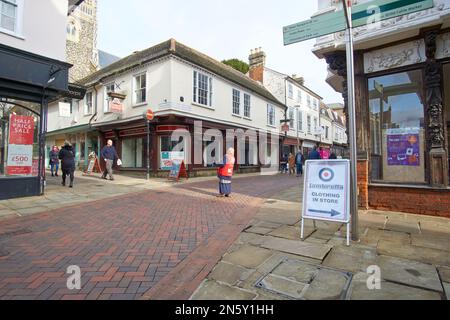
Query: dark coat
{"points": [[67, 156], [314, 155]]}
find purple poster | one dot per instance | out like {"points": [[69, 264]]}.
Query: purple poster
{"points": [[403, 149]]}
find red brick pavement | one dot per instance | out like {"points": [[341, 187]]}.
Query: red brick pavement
{"points": [[158, 243]]}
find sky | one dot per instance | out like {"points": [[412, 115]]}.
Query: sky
{"points": [[222, 29]]}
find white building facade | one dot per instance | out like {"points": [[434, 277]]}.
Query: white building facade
{"points": [[184, 88]]}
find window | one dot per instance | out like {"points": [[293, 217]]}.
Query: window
{"points": [[202, 89], [315, 124], [336, 135], [326, 132], [397, 127], [299, 96], [300, 121], [291, 118], [270, 115], [291, 91], [133, 153], [308, 101], [108, 88], [140, 89], [308, 123], [316, 104], [236, 102], [88, 103], [167, 153], [73, 29], [247, 113], [9, 15], [19, 153]]}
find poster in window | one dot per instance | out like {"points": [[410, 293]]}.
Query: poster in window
{"points": [[21, 130], [403, 147]]}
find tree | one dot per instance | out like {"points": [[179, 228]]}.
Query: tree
{"points": [[237, 64]]}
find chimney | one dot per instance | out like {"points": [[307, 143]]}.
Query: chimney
{"points": [[300, 80], [257, 61]]}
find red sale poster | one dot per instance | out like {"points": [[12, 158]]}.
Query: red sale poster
{"points": [[21, 129]]}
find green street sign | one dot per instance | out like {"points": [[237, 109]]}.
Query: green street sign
{"points": [[362, 14]]}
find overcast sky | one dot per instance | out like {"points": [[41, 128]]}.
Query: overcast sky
{"points": [[222, 29]]}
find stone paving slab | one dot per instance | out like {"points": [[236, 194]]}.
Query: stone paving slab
{"points": [[430, 241], [444, 272], [211, 290], [425, 255], [248, 256], [411, 273], [389, 291], [311, 250], [258, 230], [229, 273], [447, 289], [353, 259], [327, 285], [290, 232]]}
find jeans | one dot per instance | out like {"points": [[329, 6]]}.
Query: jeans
{"points": [[299, 169], [55, 167]]}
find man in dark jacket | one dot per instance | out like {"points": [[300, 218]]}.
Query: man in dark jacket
{"points": [[67, 157], [299, 163], [109, 154], [314, 155]]}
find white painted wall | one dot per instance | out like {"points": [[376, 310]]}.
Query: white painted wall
{"points": [[41, 28]]}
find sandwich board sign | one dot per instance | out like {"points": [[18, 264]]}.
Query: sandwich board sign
{"points": [[326, 194]]}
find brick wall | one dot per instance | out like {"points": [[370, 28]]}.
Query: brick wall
{"points": [[363, 183], [419, 201]]}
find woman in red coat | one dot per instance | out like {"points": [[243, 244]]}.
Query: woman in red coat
{"points": [[225, 172]]}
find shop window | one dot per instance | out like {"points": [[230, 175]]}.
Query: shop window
{"points": [[133, 153], [397, 127], [170, 151], [19, 138], [212, 152]]}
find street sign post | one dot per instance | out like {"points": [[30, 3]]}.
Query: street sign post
{"points": [[363, 14], [326, 193], [149, 115]]}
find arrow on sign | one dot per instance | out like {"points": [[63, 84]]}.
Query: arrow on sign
{"points": [[333, 213]]}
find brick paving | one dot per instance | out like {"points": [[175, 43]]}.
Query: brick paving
{"points": [[127, 244]]}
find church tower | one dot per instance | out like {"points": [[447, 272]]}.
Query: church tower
{"points": [[81, 44]]}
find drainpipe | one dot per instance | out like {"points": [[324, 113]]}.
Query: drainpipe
{"points": [[94, 115]]}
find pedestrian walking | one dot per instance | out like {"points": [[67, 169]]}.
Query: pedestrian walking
{"points": [[67, 157], [284, 163], [291, 162], [314, 155], [225, 173], [109, 154], [54, 161], [299, 163]]}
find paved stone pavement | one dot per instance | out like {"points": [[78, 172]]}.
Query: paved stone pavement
{"points": [[125, 245], [269, 261]]}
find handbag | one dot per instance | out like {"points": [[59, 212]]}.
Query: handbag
{"points": [[119, 162]]}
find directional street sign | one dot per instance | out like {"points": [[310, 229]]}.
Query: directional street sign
{"points": [[365, 13]]}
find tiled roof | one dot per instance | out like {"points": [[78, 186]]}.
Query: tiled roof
{"points": [[172, 47]]}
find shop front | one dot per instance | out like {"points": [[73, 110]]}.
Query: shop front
{"points": [[402, 125], [27, 82]]}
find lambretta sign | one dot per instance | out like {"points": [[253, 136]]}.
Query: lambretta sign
{"points": [[326, 193]]}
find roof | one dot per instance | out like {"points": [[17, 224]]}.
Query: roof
{"points": [[105, 58], [73, 4], [173, 47]]}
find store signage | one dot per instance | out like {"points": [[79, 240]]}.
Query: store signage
{"points": [[327, 190], [362, 14], [403, 147], [168, 158], [21, 129], [116, 105], [285, 128], [150, 115], [20, 147], [64, 110]]}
